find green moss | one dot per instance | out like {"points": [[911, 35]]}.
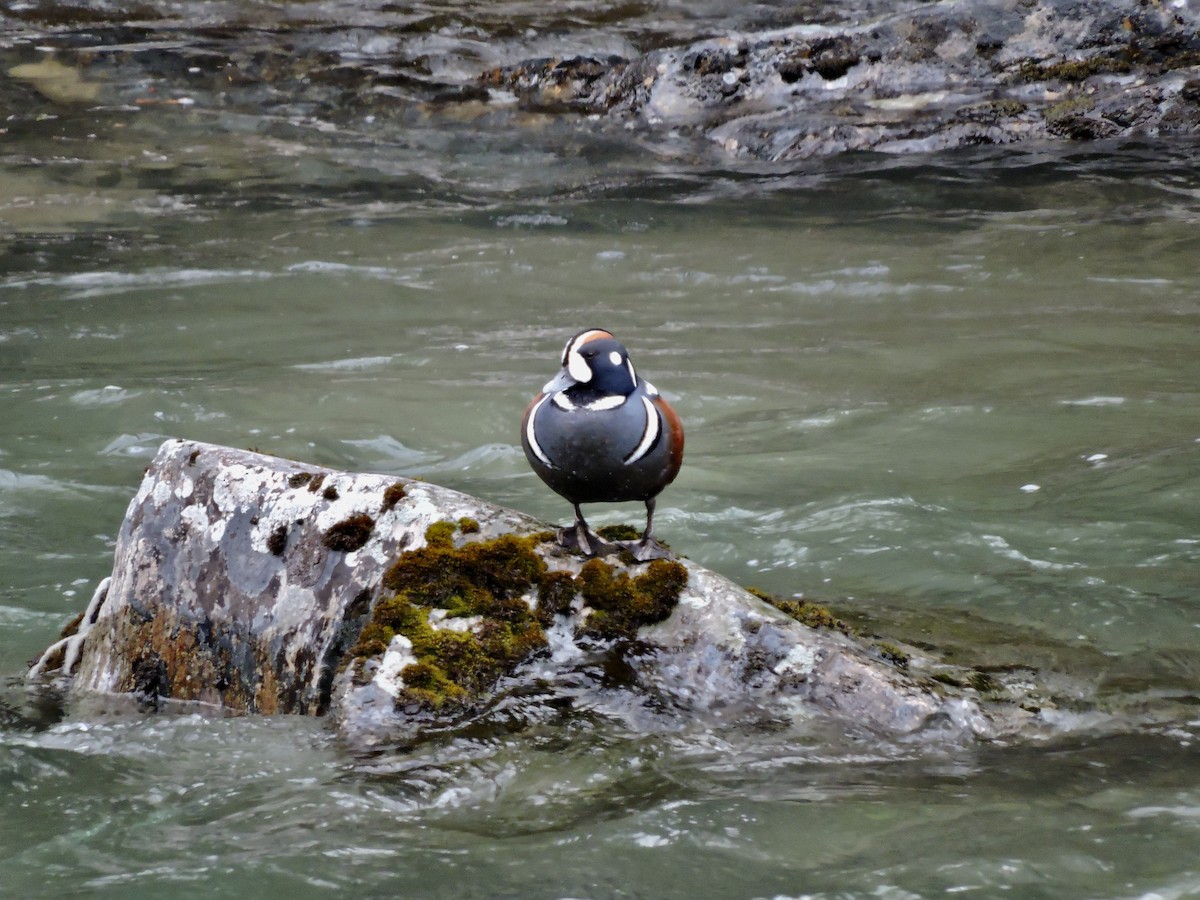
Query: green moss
{"points": [[468, 526], [440, 533], [484, 578], [947, 679], [392, 495], [983, 682], [502, 568], [350, 534], [620, 604], [814, 615], [1007, 108], [619, 533], [429, 687], [1072, 69], [1075, 105], [992, 112], [892, 654], [555, 593]]}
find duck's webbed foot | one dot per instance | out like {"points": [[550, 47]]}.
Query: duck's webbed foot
{"points": [[581, 539], [646, 549], [584, 540]]}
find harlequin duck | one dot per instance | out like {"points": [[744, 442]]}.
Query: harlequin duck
{"points": [[597, 433]]}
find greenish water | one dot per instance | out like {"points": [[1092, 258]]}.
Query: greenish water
{"points": [[958, 398]]}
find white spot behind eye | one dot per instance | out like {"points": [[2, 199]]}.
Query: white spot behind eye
{"points": [[614, 358]]}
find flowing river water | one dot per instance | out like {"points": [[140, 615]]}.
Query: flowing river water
{"points": [[955, 397]]}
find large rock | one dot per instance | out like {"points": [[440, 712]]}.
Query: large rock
{"points": [[263, 585]]}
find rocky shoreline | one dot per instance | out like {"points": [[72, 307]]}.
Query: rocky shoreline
{"points": [[933, 78], [915, 78]]}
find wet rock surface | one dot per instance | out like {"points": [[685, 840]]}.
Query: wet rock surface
{"points": [[762, 83], [238, 584], [928, 78]]}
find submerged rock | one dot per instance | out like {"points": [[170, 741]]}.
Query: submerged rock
{"points": [[262, 585]]}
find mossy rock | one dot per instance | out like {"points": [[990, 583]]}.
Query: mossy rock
{"points": [[1073, 70], [485, 579], [619, 532], [814, 615], [485, 584], [556, 591], [893, 654], [621, 605]]}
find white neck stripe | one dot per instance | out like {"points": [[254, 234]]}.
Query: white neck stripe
{"points": [[648, 436], [531, 437]]}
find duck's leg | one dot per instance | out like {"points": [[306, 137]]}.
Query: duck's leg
{"points": [[580, 537], [648, 548]]}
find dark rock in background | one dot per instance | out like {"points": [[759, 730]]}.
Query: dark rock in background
{"points": [[759, 84], [927, 78]]}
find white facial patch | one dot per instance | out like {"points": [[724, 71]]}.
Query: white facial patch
{"points": [[614, 358], [632, 374], [578, 367], [575, 364]]}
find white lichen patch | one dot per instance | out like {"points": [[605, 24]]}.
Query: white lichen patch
{"points": [[694, 595], [232, 488], [196, 517], [440, 620], [294, 609], [396, 659], [161, 493], [800, 660], [423, 511]]}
